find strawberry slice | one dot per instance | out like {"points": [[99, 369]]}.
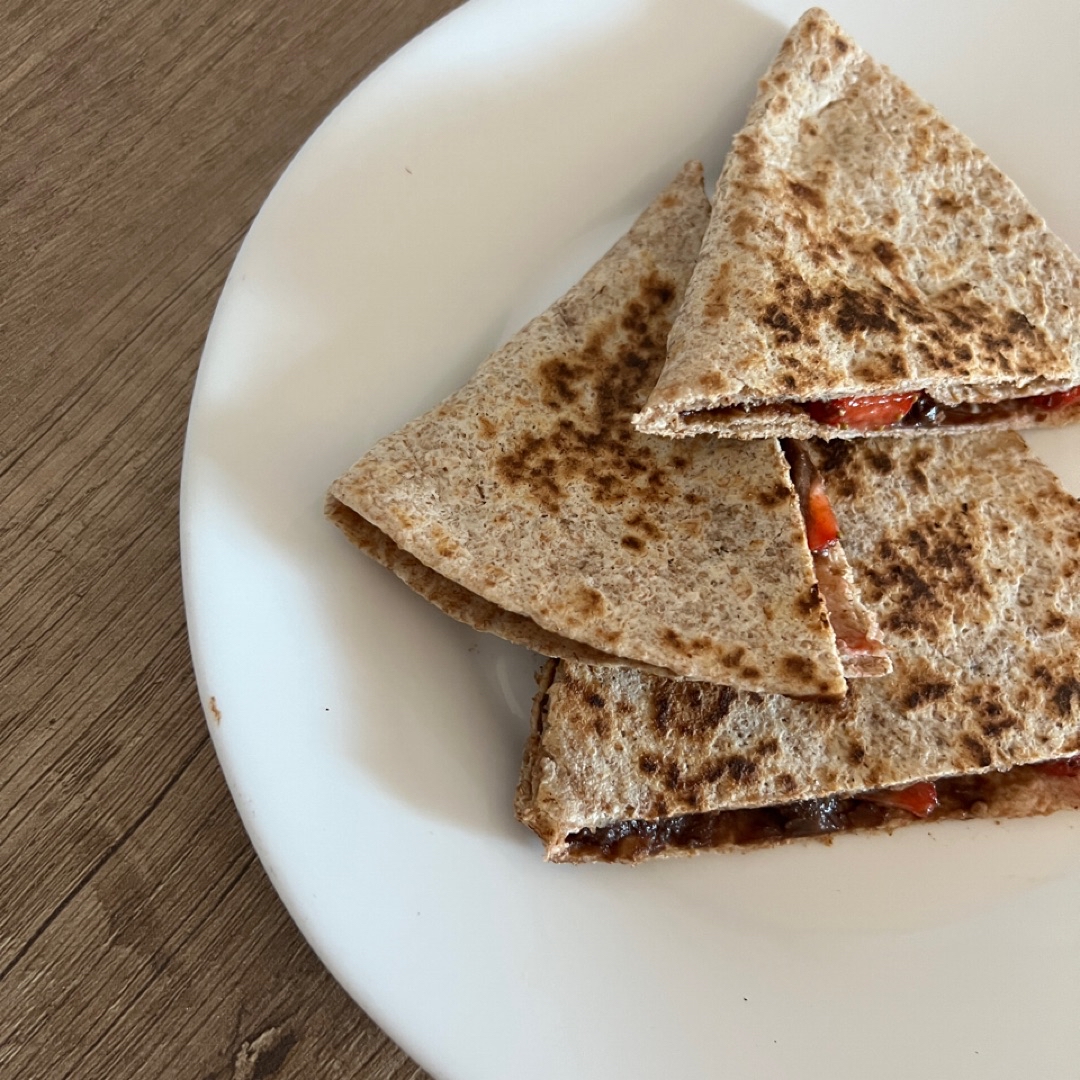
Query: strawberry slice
{"points": [[863, 413], [1057, 400], [1066, 766], [818, 516], [821, 528], [918, 799]]}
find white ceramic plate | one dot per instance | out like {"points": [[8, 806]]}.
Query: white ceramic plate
{"points": [[373, 745]]}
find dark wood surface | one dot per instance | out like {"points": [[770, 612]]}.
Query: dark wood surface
{"points": [[139, 936]]}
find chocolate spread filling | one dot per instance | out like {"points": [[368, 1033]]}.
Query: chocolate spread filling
{"points": [[627, 841], [926, 413]]}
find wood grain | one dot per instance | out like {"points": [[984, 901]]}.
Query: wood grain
{"points": [[139, 936]]}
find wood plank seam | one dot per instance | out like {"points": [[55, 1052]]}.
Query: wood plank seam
{"points": [[178, 638], [110, 851], [157, 969]]}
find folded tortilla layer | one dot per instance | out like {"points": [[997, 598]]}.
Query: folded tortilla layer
{"points": [[970, 551], [860, 246], [527, 505]]}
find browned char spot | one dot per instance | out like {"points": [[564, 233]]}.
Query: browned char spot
{"points": [[835, 456], [805, 193], [740, 770], [994, 729], [925, 692], [880, 462], [661, 710], [978, 750], [644, 524], [585, 438], [672, 776], [1041, 674], [716, 303], [446, 547], [785, 330], [798, 667], [860, 312], [952, 330], [810, 603], [742, 225], [672, 639], [886, 253], [948, 202], [1066, 695], [587, 603], [924, 572], [733, 657], [776, 497], [701, 710]]}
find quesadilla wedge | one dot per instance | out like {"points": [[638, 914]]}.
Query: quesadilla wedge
{"points": [[866, 270], [975, 567], [526, 504]]}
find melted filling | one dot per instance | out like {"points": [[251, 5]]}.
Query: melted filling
{"points": [[849, 624], [928, 413], [958, 796], [925, 413]]}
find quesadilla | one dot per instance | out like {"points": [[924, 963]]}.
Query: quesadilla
{"points": [[970, 550], [525, 504], [866, 269]]}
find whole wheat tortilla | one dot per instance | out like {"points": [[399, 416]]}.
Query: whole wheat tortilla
{"points": [[529, 490], [970, 551], [458, 602], [861, 245]]}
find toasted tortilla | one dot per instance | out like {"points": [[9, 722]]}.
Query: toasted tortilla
{"points": [[528, 491], [970, 550], [860, 245], [458, 602]]}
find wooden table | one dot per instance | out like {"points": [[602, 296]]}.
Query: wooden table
{"points": [[139, 936]]}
